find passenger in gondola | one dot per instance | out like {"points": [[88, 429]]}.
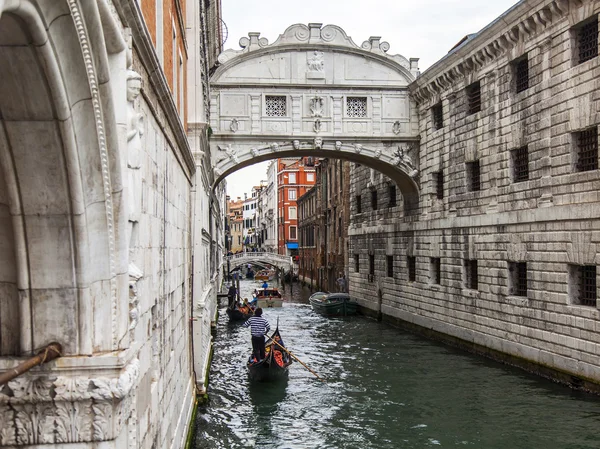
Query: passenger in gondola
{"points": [[259, 327], [253, 301]]}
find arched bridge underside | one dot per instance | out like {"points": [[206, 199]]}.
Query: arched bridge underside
{"points": [[314, 92], [259, 258]]}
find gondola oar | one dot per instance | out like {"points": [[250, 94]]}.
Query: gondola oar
{"points": [[297, 359]]}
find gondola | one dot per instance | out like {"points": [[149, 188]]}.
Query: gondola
{"points": [[333, 304], [275, 364], [236, 314]]}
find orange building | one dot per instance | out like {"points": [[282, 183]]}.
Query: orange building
{"points": [[294, 178]]}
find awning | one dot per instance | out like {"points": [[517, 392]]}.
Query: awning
{"points": [[292, 245]]}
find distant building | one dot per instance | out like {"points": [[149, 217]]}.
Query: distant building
{"points": [[236, 224]]}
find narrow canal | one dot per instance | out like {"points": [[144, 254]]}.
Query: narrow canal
{"points": [[384, 388]]}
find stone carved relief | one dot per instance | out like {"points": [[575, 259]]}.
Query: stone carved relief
{"points": [[396, 127], [317, 125], [377, 154], [318, 143], [234, 125], [338, 145], [358, 148], [274, 147], [229, 154], [135, 131], [315, 62], [296, 144], [402, 158], [134, 277], [254, 152], [41, 410], [316, 106]]}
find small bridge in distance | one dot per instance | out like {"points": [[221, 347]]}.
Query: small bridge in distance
{"points": [[279, 261]]}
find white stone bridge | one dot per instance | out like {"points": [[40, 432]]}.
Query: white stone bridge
{"points": [[260, 258]]}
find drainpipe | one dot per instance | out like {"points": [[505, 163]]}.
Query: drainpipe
{"points": [[49, 353]]}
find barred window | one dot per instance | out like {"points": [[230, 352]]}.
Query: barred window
{"points": [[586, 149], [582, 283], [390, 266], [358, 204], [586, 37], [474, 97], [437, 115], [436, 270], [474, 176], [521, 68], [356, 263], [392, 193], [412, 268], [518, 278], [372, 264], [471, 274], [356, 106], [439, 184], [374, 199], [520, 162], [275, 106]]}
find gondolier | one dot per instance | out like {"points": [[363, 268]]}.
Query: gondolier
{"points": [[259, 327]]}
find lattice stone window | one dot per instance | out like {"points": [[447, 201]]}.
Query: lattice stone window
{"points": [[474, 97], [474, 176], [520, 163], [521, 70], [517, 278], [586, 40], [412, 268], [275, 106], [582, 285], [356, 106], [586, 149], [471, 274], [435, 270]]}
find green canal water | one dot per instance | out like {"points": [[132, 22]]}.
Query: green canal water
{"points": [[384, 388]]}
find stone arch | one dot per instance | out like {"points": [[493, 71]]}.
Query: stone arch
{"points": [[61, 180]]}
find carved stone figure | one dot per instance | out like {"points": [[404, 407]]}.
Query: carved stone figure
{"points": [[396, 128], [254, 151], [135, 131], [274, 147], [358, 148], [229, 153], [234, 125], [317, 126], [296, 144], [315, 62], [338, 145], [316, 106], [318, 143], [402, 158], [377, 154]]}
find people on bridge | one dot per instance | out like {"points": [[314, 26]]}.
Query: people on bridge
{"points": [[259, 327]]}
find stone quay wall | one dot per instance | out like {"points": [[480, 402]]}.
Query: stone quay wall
{"points": [[528, 241]]}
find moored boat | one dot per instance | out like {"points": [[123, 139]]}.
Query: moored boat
{"points": [[265, 275], [268, 297], [333, 304], [274, 365]]}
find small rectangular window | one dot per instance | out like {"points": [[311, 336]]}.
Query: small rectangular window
{"points": [[292, 213], [471, 274], [292, 178], [586, 39], [517, 278], [582, 284], [474, 176], [392, 194], [310, 177], [358, 204], [275, 106], [291, 194], [437, 116], [412, 268], [586, 149], [436, 270], [356, 106], [293, 235], [374, 199], [520, 163], [521, 70], [439, 184], [390, 266], [372, 264], [474, 97], [356, 263]]}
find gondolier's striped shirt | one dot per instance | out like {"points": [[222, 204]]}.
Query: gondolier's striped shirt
{"points": [[258, 326]]}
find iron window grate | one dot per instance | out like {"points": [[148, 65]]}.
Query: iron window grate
{"points": [[356, 263], [374, 199], [587, 40], [436, 265], [358, 204], [520, 158], [472, 274], [372, 264], [521, 279], [522, 74], [438, 116], [392, 193], [587, 149], [390, 266], [474, 97], [439, 179], [412, 268], [356, 106], [275, 106], [474, 175], [588, 285]]}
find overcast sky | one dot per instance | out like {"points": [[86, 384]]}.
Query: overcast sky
{"points": [[424, 29]]}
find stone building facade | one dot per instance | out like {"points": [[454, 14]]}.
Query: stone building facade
{"points": [[502, 254]]}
